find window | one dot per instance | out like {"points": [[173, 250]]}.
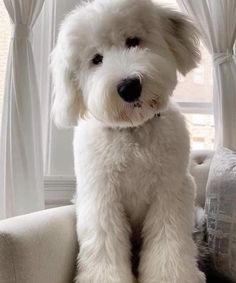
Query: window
{"points": [[194, 94], [5, 32]]}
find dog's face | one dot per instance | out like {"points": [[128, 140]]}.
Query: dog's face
{"points": [[118, 60]]}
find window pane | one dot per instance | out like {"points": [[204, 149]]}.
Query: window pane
{"points": [[201, 128], [197, 85], [194, 92], [5, 32]]}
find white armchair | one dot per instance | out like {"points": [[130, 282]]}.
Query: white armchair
{"points": [[199, 168], [39, 247], [42, 247]]}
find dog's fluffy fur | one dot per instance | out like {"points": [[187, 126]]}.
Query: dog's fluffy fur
{"points": [[131, 164]]}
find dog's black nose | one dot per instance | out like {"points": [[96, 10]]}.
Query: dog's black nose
{"points": [[130, 89]]}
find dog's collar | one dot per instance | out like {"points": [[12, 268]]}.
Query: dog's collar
{"points": [[157, 115]]}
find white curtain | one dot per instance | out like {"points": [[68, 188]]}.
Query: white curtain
{"points": [[216, 20], [21, 171]]}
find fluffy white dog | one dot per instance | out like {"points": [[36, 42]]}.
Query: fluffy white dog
{"points": [[114, 69]]}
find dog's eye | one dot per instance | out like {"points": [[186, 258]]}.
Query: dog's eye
{"points": [[97, 59], [132, 42]]}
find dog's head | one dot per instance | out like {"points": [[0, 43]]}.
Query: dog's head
{"points": [[118, 60]]}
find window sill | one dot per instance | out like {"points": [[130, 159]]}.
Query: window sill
{"points": [[59, 190], [196, 107]]}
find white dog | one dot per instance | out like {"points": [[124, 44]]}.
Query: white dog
{"points": [[114, 69]]}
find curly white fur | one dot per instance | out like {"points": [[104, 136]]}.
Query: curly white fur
{"points": [[131, 164]]}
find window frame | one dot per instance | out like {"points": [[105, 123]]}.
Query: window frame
{"points": [[196, 107]]}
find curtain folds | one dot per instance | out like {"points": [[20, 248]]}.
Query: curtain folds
{"points": [[21, 172], [216, 22]]}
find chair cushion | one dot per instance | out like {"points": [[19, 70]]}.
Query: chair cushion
{"points": [[39, 247], [199, 168], [221, 211]]}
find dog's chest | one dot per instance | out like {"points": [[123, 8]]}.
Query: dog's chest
{"points": [[137, 163], [139, 177], [138, 188]]}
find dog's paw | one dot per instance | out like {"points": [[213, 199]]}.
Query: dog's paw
{"points": [[104, 277], [201, 278], [197, 277]]}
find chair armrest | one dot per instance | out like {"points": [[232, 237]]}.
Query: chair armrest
{"points": [[39, 248], [199, 168]]}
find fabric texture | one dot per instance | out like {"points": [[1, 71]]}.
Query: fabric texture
{"points": [[221, 211], [199, 169], [21, 171], [216, 22], [39, 248]]}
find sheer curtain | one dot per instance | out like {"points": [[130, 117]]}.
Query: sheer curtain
{"points": [[21, 172], [216, 20]]}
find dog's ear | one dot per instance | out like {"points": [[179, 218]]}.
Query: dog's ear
{"points": [[183, 40], [68, 103]]}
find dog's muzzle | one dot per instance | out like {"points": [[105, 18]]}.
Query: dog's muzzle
{"points": [[130, 89]]}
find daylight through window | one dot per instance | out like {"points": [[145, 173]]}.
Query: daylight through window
{"points": [[194, 93]]}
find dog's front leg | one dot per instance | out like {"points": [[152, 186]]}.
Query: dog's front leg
{"points": [[169, 253], [104, 236]]}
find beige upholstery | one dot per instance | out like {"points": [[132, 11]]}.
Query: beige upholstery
{"points": [[42, 247], [199, 168], [39, 247]]}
